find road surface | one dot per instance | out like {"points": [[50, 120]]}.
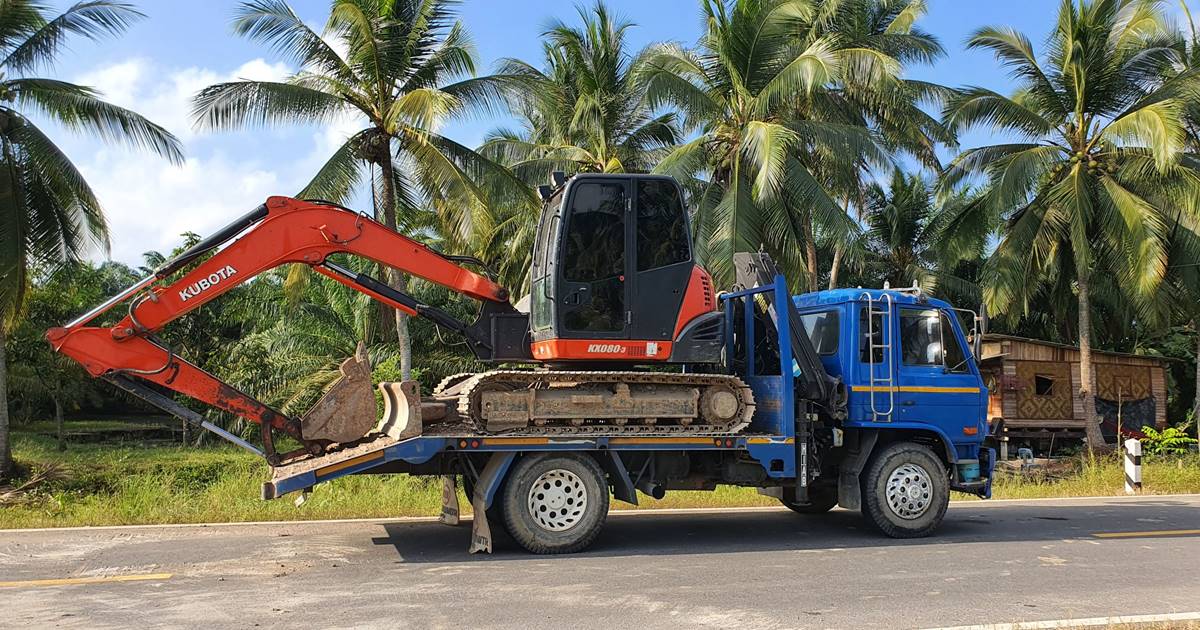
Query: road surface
{"points": [[758, 568]]}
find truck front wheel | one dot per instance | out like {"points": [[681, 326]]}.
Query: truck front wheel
{"points": [[555, 503], [905, 490]]}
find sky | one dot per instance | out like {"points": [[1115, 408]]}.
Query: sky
{"points": [[183, 46]]}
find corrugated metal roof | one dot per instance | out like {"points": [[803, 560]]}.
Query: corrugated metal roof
{"points": [[1052, 344]]}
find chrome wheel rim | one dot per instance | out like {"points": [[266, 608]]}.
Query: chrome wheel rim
{"points": [[557, 500], [909, 491]]}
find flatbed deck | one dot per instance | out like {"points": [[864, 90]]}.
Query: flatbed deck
{"points": [[373, 453]]}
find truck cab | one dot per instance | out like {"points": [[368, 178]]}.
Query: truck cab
{"points": [[907, 366]]}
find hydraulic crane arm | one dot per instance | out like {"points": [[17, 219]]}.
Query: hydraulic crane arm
{"points": [[281, 231]]}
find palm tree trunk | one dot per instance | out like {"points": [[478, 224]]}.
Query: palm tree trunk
{"points": [[396, 280], [1196, 404], [810, 252], [1087, 377], [835, 266], [58, 423], [5, 447]]}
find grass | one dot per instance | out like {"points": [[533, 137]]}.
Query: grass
{"points": [[107, 484]]}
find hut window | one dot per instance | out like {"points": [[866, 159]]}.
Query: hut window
{"points": [[1043, 385]]}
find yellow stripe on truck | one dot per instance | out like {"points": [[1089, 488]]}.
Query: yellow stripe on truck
{"points": [[332, 468], [916, 389]]}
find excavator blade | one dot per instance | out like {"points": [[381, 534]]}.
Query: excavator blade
{"points": [[347, 411], [402, 410]]}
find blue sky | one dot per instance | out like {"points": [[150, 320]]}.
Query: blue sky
{"points": [[183, 46]]}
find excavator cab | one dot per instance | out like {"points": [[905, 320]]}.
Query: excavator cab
{"points": [[613, 274]]}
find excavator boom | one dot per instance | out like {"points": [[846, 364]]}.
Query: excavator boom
{"points": [[281, 231]]}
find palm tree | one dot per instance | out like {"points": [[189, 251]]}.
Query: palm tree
{"points": [[48, 213], [583, 111], [1187, 272], [793, 100], [791, 103], [407, 66], [909, 239], [1098, 183]]}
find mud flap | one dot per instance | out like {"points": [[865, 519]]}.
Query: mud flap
{"points": [[489, 481], [481, 534], [450, 510], [347, 411]]}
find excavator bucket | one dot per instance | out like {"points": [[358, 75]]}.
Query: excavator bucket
{"points": [[347, 411]]}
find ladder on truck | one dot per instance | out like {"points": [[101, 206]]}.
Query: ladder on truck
{"points": [[883, 306]]}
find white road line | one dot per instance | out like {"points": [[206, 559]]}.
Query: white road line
{"points": [[1080, 623], [615, 512]]}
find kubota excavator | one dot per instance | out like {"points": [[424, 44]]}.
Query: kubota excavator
{"points": [[614, 288]]}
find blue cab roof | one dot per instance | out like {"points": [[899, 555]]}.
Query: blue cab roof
{"points": [[840, 296]]}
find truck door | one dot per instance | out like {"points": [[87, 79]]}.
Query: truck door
{"points": [[937, 384]]}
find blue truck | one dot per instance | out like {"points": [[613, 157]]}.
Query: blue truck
{"points": [[912, 430], [627, 375]]}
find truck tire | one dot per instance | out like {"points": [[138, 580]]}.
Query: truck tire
{"points": [[821, 499], [905, 491], [555, 503]]}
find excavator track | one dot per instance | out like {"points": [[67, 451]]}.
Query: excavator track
{"points": [[452, 381], [730, 416]]}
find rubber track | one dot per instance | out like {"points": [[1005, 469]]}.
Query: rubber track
{"points": [[453, 379], [521, 379]]}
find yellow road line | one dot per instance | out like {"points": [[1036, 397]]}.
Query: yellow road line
{"points": [[1161, 532], [87, 580]]}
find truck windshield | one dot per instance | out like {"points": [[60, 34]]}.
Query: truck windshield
{"points": [[927, 339]]}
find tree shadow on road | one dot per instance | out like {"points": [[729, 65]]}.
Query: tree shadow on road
{"points": [[650, 534]]}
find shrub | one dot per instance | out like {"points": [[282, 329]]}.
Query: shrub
{"points": [[1170, 441]]}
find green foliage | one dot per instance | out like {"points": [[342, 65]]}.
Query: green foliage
{"points": [[1170, 441], [792, 100], [37, 374]]}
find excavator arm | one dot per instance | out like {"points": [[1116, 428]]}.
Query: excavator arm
{"points": [[281, 231]]}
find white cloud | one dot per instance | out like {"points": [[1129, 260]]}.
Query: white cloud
{"points": [[150, 202], [165, 97]]}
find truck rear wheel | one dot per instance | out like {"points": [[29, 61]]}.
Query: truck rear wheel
{"points": [[905, 491], [555, 503]]}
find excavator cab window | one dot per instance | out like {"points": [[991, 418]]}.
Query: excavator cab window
{"points": [[593, 261], [662, 236]]}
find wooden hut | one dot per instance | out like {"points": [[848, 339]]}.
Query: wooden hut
{"points": [[1033, 389]]}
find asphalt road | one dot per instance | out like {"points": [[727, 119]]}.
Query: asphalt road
{"points": [[761, 568]]}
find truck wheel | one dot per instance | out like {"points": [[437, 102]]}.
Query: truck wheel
{"points": [[821, 499], [905, 491], [555, 503]]}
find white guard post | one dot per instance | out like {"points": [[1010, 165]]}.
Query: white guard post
{"points": [[1133, 466]]}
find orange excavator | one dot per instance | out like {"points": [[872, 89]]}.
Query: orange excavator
{"points": [[614, 288]]}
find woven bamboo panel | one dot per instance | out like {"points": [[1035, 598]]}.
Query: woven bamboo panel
{"points": [[1123, 382], [1056, 405]]}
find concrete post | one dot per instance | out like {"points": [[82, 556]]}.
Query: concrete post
{"points": [[1133, 466]]}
